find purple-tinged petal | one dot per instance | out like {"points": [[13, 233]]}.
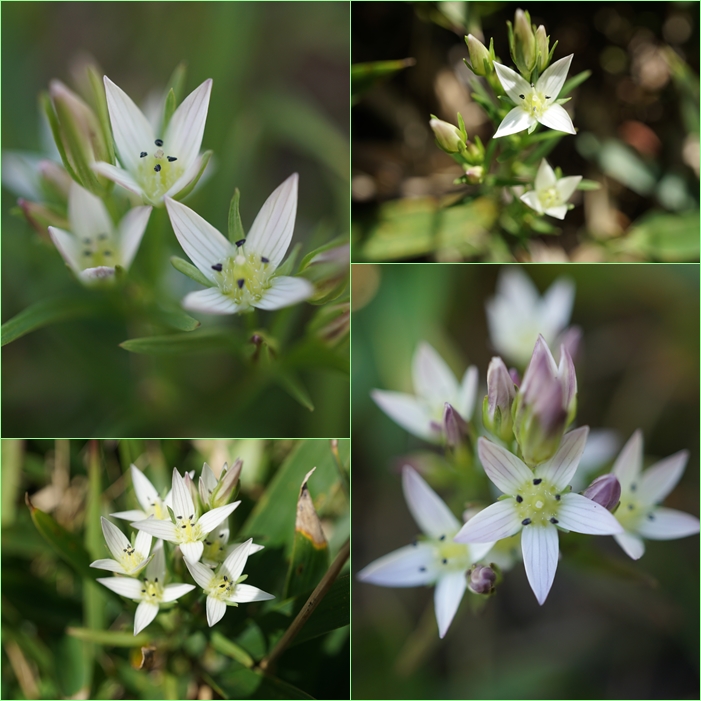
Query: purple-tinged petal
{"points": [[668, 524], [561, 467], [447, 597], [430, 512], [408, 412], [497, 521], [540, 551], [662, 477], [630, 461], [582, 515], [632, 545], [502, 467]]}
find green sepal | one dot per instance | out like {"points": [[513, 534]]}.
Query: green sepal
{"points": [[168, 109], [171, 513], [48, 109], [236, 232], [98, 88], [461, 126], [336, 241], [187, 268], [288, 266], [176, 81], [189, 188], [294, 387]]}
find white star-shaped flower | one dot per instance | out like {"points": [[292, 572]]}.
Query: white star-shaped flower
{"points": [[95, 246], [550, 194], [215, 491], [217, 548], [535, 103], [638, 512], [224, 587], [434, 559], [156, 166], [537, 504], [188, 531], [243, 273], [517, 314], [150, 592], [435, 386], [129, 559], [149, 499]]}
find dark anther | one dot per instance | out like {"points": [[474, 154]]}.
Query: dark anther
{"points": [[157, 168], [554, 520], [143, 591], [155, 580], [171, 159], [102, 237], [537, 481], [558, 497], [125, 549], [185, 526], [240, 243], [143, 154], [159, 142], [107, 253], [525, 521], [422, 569], [153, 595], [87, 252], [442, 537], [523, 97], [240, 282], [263, 259], [192, 516], [217, 267], [630, 507], [415, 543], [650, 517], [221, 586], [444, 561], [206, 542], [633, 487], [226, 579], [86, 240], [178, 517], [519, 498], [221, 535]]}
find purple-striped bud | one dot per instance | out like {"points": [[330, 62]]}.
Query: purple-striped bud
{"points": [[605, 491], [454, 426], [481, 579], [496, 407]]}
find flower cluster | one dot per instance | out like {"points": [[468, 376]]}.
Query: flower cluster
{"points": [[195, 522], [528, 447]]}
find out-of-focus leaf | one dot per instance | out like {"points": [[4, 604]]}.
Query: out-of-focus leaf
{"points": [[247, 683], [48, 311], [312, 354], [12, 452], [671, 238], [231, 649], [110, 638], [365, 75], [274, 513], [585, 184], [73, 670], [66, 545], [341, 240], [197, 342], [573, 82], [310, 551], [187, 268], [176, 319], [294, 387], [333, 611]]}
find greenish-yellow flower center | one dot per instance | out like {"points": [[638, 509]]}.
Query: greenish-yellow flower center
{"points": [[535, 103], [99, 250], [188, 531], [538, 502], [549, 198], [152, 591], [130, 559], [245, 278], [158, 170], [631, 510]]}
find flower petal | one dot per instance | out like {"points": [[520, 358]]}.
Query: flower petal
{"points": [[545, 177], [183, 136], [245, 594], [410, 566], [446, 599], [157, 567], [119, 176], [497, 521], [514, 85], [408, 412], [210, 301], [124, 586], [182, 499], [558, 211], [131, 230], [201, 574], [272, 229], [561, 467], [132, 131], [515, 121], [556, 306], [502, 467], [668, 524], [236, 560], [567, 186], [556, 117], [116, 540], [145, 613], [532, 200], [285, 291], [165, 530], [142, 545], [430, 512], [662, 477], [192, 551], [68, 246], [133, 515], [433, 379], [215, 610], [582, 515], [87, 213], [630, 461], [632, 545], [467, 393], [214, 517], [146, 493], [174, 591], [202, 243], [553, 78], [111, 565], [540, 550]]}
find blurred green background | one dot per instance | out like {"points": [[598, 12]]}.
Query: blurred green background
{"points": [[76, 482], [637, 121], [611, 627], [279, 105]]}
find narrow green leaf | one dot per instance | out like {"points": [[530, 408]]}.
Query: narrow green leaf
{"points": [[48, 109], [365, 75], [231, 649], [72, 667], [310, 551], [98, 87], [11, 474], [45, 312], [573, 82], [236, 232], [175, 318], [585, 184], [67, 545], [332, 612], [110, 638], [294, 387], [333, 243], [207, 341], [252, 684], [187, 268]]}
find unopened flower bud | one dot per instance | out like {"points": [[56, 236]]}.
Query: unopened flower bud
{"points": [[228, 480], [605, 491], [524, 48], [479, 56], [474, 174], [454, 426], [496, 407], [481, 579], [41, 217], [55, 179], [447, 135], [542, 42]]}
